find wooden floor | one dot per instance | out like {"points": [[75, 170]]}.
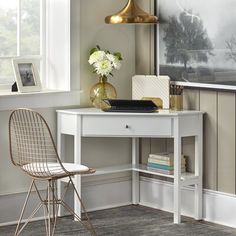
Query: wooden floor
{"points": [[127, 221]]}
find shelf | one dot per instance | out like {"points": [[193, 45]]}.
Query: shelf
{"points": [[186, 178], [113, 169], [143, 169]]}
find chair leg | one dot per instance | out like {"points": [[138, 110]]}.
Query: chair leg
{"points": [[30, 217], [55, 205], [52, 205], [45, 219], [51, 208], [19, 230], [90, 226]]}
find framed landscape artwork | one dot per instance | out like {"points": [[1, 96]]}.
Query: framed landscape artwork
{"points": [[196, 42]]}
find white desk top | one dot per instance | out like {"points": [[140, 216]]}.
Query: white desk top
{"points": [[94, 111]]}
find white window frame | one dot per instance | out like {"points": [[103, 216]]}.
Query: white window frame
{"points": [[41, 56], [58, 44], [61, 88]]}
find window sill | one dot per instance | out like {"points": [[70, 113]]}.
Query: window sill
{"points": [[43, 99], [5, 93]]}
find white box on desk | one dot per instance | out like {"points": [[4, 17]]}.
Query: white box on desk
{"points": [[151, 86]]}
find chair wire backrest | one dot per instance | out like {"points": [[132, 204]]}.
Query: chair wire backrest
{"points": [[31, 144]]}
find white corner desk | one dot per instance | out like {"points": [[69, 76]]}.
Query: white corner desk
{"points": [[91, 122]]}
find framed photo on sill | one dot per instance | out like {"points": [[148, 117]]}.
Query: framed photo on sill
{"points": [[26, 75]]}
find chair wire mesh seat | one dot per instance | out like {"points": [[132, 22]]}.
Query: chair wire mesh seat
{"points": [[33, 150]]}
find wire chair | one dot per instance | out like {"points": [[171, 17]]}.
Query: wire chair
{"points": [[33, 150]]}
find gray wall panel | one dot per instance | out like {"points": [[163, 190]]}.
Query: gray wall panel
{"points": [[219, 122], [208, 104], [145, 149], [191, 102], [226, 142]]}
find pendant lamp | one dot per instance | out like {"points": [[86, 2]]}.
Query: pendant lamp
{"points": [[131, 13]]}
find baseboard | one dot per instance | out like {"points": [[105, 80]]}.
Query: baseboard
{"points": [[11, 204], [218, 207], [96, 196]]}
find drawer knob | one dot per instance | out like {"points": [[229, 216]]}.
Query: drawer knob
{"points": [[126, 126]]}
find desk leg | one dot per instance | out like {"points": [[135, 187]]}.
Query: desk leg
{"points": [[198, 172], [77, 160], [61, 153], [135, 174], [177, 173]]}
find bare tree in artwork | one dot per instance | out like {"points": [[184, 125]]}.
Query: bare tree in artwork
{"points": [[231, 46], [185, 38]]}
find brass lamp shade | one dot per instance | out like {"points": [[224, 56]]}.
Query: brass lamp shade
{"points": [[131, 13]]}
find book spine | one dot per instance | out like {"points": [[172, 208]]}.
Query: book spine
{"points": [[164, 162], [167, 162], [164, 158], [159, 166], [165, 167], [166, 172]]}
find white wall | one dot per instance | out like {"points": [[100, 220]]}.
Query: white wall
{"points": [[12, 180], [111, 37], [93, 32]]}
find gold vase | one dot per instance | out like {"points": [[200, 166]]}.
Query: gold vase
{"points": [[102, 90]]}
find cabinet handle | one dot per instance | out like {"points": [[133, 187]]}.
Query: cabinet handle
{"points": [[126, 126]]}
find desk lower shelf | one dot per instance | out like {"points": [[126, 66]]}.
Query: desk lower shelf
{"points": [[139, 168], [186, 177]]}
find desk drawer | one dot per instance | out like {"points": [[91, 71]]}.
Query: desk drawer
{"points": [[126, 126]]}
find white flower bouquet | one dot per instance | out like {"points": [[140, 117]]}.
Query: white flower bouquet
{"points": [[104, 61]]}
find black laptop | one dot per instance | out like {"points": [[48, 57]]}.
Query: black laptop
{"points": [[117, 105]]}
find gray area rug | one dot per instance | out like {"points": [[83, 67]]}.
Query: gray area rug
{"points": [[127, 221]]}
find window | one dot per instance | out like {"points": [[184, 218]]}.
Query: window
{"points": [[21, 33], [41, 30]]}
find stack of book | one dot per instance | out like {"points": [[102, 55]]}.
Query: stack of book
{"points": [[164, 163]]}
